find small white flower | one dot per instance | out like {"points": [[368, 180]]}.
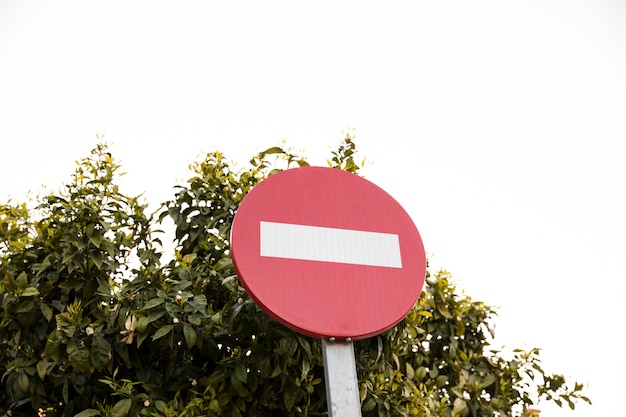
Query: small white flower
{"points": [[89, 330], [175, 320], [146, 403]]}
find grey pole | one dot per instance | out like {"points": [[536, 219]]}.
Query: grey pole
{"points": [[342, 387]]}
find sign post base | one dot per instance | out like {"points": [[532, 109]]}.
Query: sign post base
{"points": [[342, 387]]}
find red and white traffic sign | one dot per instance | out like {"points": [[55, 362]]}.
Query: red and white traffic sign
{"points": [[328, 253]]}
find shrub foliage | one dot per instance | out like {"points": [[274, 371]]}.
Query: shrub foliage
{"points": [[95, 323]]}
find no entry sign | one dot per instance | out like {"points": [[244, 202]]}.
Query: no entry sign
{"points": [[328, 253]]}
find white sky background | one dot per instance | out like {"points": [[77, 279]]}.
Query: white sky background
{"points": [[500, 127]]}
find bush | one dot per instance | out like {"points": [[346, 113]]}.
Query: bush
{"points": [[94, 323]]}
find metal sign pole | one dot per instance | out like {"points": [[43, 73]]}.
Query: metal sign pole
{"points": [[342, 388]]}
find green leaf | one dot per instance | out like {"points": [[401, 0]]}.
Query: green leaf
{"points": [[121, 408], [216, 378], [369, 404], [396, 360], [223, 264], [25, 306], [306, 367], [153, 303], [241, 373], [305, 345], [195, 319], [141, 337], [101, 352], [94, 236], [162, 331], [42, 368], [237, 385], [90, 412], [22, 382], [143, 321], [277, 371], [460, 405], [443, 310], [489, 379], [190, 336], [379, 347], [79, 358], [65, 392], [441, 381], [155, 315], [108, 248], [97, 259], [289, 397], [198, 306], [187, 259], [420, 373], [160, 405], [173, 309], [9, 283], [234, 412], [30, 292], [272, 150], [22, 280], [410, 373]]}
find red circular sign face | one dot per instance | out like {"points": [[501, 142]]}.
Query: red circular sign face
{"points": [[327, 253]]}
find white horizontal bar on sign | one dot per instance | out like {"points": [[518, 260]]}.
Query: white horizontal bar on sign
{"points": [[327, 244]]}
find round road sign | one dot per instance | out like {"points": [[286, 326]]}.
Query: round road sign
{"points": [[328, 253]]}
